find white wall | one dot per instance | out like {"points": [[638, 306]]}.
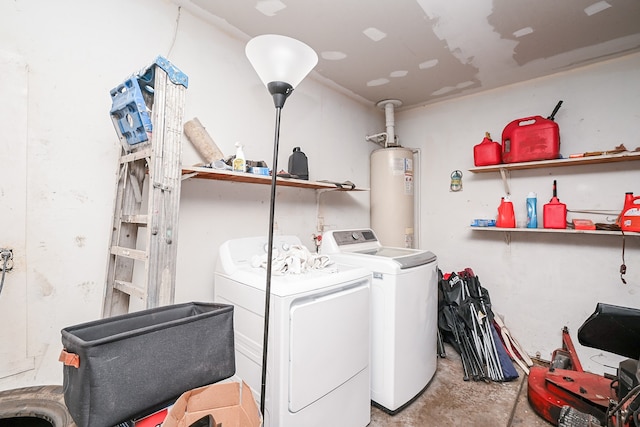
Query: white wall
{"points": [[67, 55], [540, 282]]}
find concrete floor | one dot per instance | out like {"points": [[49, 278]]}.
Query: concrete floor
{"points": [[450, 401]]}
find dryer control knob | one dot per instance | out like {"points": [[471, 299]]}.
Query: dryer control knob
{"points": [[355, 235]]}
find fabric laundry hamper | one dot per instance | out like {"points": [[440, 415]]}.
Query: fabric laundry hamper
{"points": [[128, 365]]}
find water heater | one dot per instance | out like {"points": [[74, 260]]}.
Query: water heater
{"points": [[392, 196]]}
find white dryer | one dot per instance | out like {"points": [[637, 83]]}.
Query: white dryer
{"points": [[404, 313], [319, 336]]}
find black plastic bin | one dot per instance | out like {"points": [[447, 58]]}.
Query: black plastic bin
{"points": [[134, 363]]}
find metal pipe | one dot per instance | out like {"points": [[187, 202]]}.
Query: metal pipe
{"points": [[388, 105]]}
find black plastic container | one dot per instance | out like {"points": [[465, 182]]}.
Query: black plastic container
{"points": [[298, 164], [131, 364]]}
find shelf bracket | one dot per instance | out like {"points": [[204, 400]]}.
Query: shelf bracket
{"points": [[506, 175], [188, 175], [507, 238]]}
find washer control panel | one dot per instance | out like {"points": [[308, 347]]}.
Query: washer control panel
{"points": [[350, 237]]}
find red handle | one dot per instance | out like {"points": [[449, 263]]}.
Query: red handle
{"points": [[526, 119]]}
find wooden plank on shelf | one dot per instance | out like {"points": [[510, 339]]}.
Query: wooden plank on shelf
{"points": [[605, 158], [224, 175]]}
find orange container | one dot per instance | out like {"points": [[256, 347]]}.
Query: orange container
{"points": [[629, 219]]}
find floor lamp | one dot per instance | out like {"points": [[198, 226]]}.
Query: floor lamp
{"points": [[281, 63]]}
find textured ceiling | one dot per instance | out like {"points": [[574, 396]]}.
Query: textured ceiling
{"points": [[423, 51]]}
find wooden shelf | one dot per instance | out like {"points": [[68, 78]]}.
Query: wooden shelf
{"points": [[589, 160], [554, 230], [223, 175]]}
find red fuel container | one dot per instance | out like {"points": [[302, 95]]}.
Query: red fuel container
{"points": [[554, 214], [529, 139], [488, 152]]}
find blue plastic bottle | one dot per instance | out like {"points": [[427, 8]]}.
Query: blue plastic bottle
{"points": [[532, 215]]}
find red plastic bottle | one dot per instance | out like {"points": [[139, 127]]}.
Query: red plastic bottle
{"points": [[629, 219], [506, 217]]}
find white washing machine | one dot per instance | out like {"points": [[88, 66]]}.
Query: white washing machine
{"points": [[319, 336], [404, 313]]}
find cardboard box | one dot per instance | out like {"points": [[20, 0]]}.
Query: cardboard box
{"points": [[231, 404]]}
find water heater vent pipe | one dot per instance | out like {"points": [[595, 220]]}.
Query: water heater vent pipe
{"points": [[389, 137]]}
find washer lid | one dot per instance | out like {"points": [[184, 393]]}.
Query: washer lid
{"points": [[365, 243], [407, 258]]}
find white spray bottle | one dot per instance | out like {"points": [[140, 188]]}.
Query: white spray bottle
{"points": [[239, 163]]}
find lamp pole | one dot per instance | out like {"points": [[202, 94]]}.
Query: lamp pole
{"points": [[281, 63], [280, 92]]}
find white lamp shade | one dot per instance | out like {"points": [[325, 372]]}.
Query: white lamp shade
{"points": [[280, 59]]}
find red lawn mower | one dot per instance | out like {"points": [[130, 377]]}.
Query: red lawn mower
{"points": [[567, 396]]}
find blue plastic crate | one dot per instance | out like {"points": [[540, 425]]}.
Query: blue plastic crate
{"points": [[130, 113]]}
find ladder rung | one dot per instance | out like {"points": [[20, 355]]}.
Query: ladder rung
{"points": [[129, 253], [129, 289], [134, 219], [131, 157]]}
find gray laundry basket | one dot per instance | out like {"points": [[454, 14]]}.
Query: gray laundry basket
{"points": [[130, 364]]}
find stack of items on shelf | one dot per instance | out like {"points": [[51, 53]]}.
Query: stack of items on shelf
{"points": [[214, 158]]}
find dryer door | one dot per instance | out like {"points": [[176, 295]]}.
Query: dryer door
{"points": [[329, 342]]}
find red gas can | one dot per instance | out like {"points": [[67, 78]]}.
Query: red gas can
{"points": [[554, 213], [531, 138], [488, 152]]}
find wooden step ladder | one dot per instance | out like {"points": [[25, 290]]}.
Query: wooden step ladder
{"points": [[147, 113]]}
